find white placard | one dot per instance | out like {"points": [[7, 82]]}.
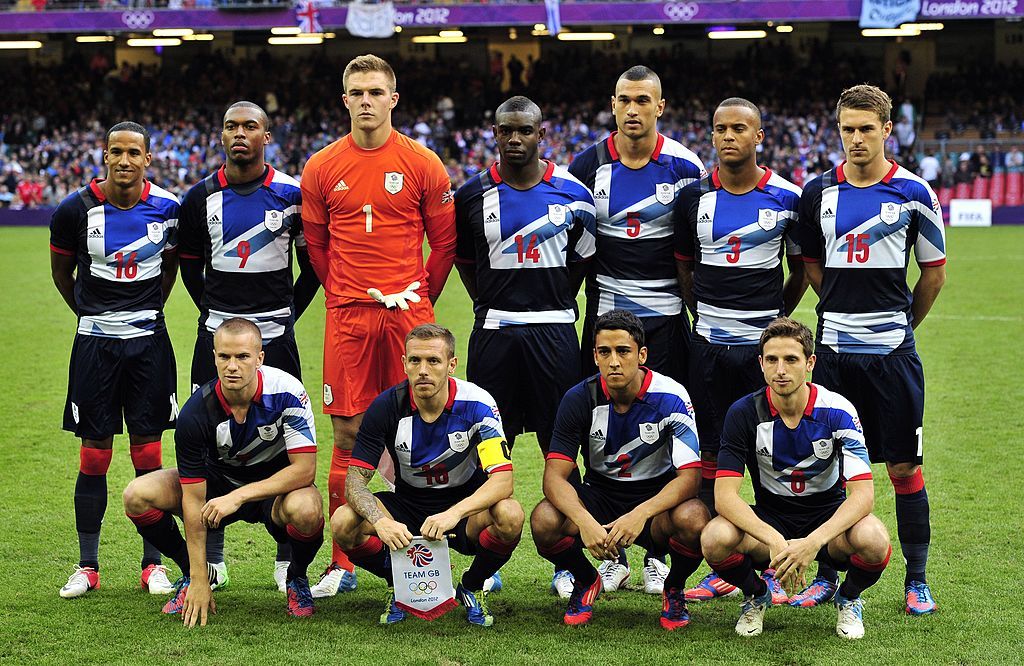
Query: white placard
{"points": [[970, 213], [422, 573]]}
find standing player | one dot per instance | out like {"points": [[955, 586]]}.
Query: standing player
{"points": [[813, 491], [235, 241], [636, 175], [246, 450], [368, 199], [525, 230], [639, 443], [112, 259], [731, 230], [860, 222], [453, 474]]}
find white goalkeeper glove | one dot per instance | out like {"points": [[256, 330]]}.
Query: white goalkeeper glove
{"points": [[400, 300]]}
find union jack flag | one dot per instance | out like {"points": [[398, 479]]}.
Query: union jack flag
{"points": [[420, 555], [308, 17]]}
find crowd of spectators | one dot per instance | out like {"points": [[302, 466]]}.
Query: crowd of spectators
{"points": [[51, 135]]}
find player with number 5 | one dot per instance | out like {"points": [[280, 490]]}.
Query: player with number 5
{"points": [[368, 199]]}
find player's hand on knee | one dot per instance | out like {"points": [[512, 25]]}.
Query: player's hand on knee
{"points": [[400, 300], [437, 526], [218, 509], [394, 534]]}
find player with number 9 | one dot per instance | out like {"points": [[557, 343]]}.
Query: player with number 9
{"points": [[368, 199]]}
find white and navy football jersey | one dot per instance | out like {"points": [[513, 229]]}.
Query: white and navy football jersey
{"points": [[449, 458], [736, 242], [522, 242], [245, 235], [863, 237], [798, 470], [639, 451], [119, 255], [208, 440], [634, 268]]}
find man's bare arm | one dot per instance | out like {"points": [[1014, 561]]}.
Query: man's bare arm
{"points": [[359, 496]]}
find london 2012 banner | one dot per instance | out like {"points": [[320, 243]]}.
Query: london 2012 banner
{"points": [[422, 573]]}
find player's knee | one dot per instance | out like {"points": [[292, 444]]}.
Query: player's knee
{"points": [[345, 526], [305, 512], [902, 470], [870, 538], [134, 497], [717, 539], [689, 520], [544, 522], [508, 518]]}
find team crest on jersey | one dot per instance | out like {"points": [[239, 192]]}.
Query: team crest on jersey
{"points": [[268, 433], [393, 182], [890, 213], [273, 219], [557, 213], [665, 193], [767, 218], [155, 232], [649, 433], [822, 448], [328, 394], [458, 441]]}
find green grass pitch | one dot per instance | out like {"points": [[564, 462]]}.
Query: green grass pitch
{"points": [[971, 346]]}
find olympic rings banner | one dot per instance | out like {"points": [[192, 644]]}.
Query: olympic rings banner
{"points": [[423, 578]]}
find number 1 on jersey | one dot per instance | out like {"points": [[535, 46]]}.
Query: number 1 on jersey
{"points": [[368, 209]]}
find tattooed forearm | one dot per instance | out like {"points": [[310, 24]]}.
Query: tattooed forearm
{"points": [[359, 496]]}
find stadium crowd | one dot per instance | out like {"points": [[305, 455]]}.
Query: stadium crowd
{"points": [[51, 135]]}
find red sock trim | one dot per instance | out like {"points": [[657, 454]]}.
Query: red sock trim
{"points": [[94, 462], [731, 562], [371, 546], [708, 469], [856, 561], [562, 545], [684, 550], [146, 518], [147, 457], [493, 543], [294, 532], [908, 485]]}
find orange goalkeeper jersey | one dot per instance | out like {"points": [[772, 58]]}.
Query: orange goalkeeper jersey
{"points": [[365, 213]]}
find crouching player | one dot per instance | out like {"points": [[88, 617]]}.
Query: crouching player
{"points": [[639, 442], [801, 443], [453, 474], [246, 450]]}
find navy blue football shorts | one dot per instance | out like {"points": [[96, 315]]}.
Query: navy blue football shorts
{"points": [[112, 382], [667, 341], [412, 513], [792, 525], [888, 393], [719, 376], [259, 512], [281, 353], [608, 506], [527, 370]]}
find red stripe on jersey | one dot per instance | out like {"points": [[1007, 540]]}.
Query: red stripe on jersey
{"points": [[501, 468], [550, 169], [727, 473], [495, 176], [559, 456], [811, 399], [303, 449], [926, 264], [715, 180], [658, 146], [809, 260], [222, 178], [682, 257], [612, 153], [764, 179], [866, 476], [648, 377], [356, 462], [188, 480], [97, 191], [60, 250], [693, 465], [146, 185], [892, 172], [270, 176]]}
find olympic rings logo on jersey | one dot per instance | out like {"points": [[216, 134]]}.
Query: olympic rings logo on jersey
{"points": [[420, 555], [423, 586], [681, 11], [139, 19]]}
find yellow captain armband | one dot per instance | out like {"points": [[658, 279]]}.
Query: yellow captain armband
{"points": [[494, 454]]}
